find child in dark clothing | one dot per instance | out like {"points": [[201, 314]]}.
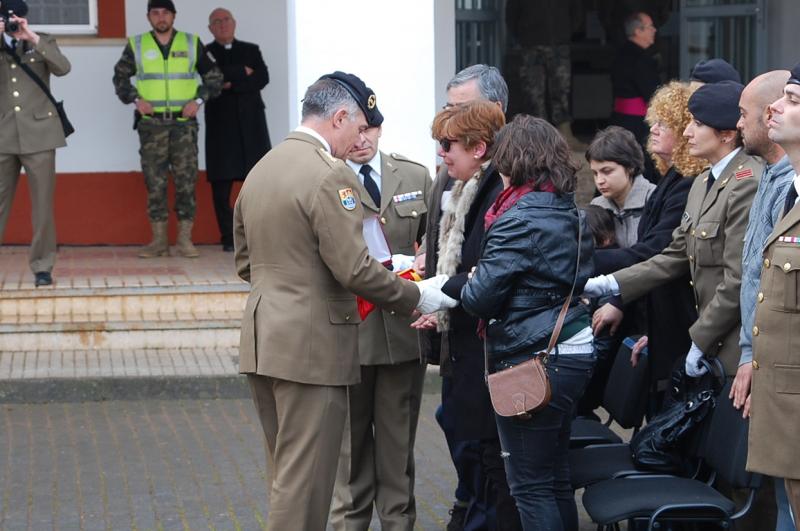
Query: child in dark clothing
{"points": [[601, 223]]}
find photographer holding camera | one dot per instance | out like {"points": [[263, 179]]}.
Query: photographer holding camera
{"points": [[30, 129]]}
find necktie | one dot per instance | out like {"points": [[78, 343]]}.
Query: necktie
{"points": [[710, 181], [791, 198], [370, 184]]}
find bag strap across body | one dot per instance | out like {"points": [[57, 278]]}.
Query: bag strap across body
{"points": [[561, 315], [36, 79]]}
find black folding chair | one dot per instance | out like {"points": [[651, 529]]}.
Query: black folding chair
{"points": [[624, 399], [655, 499]]}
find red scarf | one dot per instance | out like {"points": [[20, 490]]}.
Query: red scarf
{"points": [[507, 199]]}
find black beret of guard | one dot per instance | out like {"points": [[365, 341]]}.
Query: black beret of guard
{"points": [[363, 95], [717, 104], [714, 71], [166, 4], [794, 78]]}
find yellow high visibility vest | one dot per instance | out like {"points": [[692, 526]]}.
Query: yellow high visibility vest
{"points": [[167, 84]]}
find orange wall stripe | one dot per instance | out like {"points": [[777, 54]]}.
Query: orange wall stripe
{"points": [[108, 209], [111, 19]]}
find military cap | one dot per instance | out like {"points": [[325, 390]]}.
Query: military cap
{"points": [[363, 95], [714, 71], [166, 4], [794, 78], [717, 104]]}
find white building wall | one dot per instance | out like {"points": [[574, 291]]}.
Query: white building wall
{"points": [[391, 45]]}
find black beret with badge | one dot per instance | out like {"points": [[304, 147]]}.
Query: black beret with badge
{"points": [[714, 71], [717, 104], [364, 96], [794, 77], [164, 4]]}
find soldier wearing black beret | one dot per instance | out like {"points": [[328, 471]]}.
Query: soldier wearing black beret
{"points": [[717, 104]]}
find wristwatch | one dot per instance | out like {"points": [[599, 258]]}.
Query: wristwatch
{"points": [[199, 101]]}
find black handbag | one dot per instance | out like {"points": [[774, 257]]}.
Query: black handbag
{"points": [[59, 105], [662, 444]]}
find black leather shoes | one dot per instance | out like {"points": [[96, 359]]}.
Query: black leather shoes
{"points": [[227, 247], [43, 278]]}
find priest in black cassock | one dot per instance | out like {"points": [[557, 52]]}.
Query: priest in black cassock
{"points": [[236, 127]]}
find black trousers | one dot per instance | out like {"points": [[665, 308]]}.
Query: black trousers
{"points": [[221, 195]]}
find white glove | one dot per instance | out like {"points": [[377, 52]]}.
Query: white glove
{"points": [[431, 298], [401, 262], [601, 285], [693, 367]]}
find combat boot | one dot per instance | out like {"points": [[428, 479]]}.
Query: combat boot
{"points": [[565, 129], [159, 246], [184, 243]]}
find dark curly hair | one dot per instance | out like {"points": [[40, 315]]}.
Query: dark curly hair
{"points": [[530, 150]]}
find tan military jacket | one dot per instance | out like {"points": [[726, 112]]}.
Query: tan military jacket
{"points": [[775, 400], [28, 120], [386, 337], [297, 233], [707, 245]]}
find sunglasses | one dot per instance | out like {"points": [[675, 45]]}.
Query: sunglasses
{"points": [[446, 143]]}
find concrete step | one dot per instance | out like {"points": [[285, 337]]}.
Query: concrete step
{"points": [[135, 304], [144, 317]]}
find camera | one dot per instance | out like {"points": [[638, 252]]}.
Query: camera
{"points": [[10, 8]]}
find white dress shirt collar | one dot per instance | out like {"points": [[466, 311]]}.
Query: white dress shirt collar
{"points": [[309, 131], [719, 167]]}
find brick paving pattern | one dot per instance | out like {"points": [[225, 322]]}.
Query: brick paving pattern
{"points": [[163, 464]]}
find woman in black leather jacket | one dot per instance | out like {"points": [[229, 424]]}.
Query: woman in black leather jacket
{"points": [[526, 270]]}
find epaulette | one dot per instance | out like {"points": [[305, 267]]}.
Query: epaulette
{"points": [[397, 156], [327, 157]]}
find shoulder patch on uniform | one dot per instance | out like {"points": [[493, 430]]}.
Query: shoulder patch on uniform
{"points": [[743, 174], [347, 198]]}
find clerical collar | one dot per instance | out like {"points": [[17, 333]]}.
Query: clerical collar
{"points": [[228, 46]]}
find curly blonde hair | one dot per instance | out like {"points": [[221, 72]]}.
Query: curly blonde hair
{"points": [[670, 107]]}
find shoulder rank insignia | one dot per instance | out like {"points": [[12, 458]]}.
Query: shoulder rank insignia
{"points": [[347, 198], [743, 174]]}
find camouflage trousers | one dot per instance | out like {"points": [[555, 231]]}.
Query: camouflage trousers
{"points": [[169, 147], [546, 76]]}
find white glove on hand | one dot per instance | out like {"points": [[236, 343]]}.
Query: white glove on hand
{"points": [[601, 285], [693, 367], [431, 298], [401, 262]]}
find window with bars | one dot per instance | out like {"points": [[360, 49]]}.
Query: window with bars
{"points": [[63, 17], [477, 32]]}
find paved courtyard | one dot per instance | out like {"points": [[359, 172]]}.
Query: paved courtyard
{"points": [[162, 464]]}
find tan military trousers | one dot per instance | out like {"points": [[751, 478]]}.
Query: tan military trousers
{"points": [[377, 460], [40, 168], [303, 427]]}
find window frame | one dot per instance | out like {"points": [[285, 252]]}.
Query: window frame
{"points": [[91, 28]]}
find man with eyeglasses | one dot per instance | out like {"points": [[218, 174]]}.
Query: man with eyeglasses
{"points": [[634, 79], [236, 127]]}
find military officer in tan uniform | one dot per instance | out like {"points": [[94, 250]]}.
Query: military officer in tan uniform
{"points": [[298, 241], [708, 242], [30, 132], [376, 465], [775, 399]]}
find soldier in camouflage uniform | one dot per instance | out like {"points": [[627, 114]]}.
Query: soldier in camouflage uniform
{"points": [[166, 109], [543, 31]]}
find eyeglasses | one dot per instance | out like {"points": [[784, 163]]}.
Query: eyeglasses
{"points": [[447, 143]]}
